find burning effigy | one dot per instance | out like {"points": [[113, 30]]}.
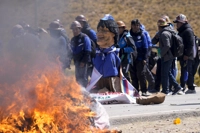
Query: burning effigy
{"points": [[37, 97]]}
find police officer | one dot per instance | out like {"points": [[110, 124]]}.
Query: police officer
{"points": [[86, 29], [139, 68], [187, 59], [127, 49], [81, 48]]}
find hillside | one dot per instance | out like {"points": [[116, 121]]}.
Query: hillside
{"points": [[42, 12]]}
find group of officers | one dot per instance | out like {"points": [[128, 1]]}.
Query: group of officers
{"points": [[119, 51]]}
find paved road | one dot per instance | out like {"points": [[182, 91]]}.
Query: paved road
{"points": [[172, 104]]}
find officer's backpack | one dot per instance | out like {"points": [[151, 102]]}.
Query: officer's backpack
{"points": [[93, 45], [177, 47], [130, 43]]}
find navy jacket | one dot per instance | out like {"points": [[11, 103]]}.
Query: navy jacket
{"points": [[81, 48], [141, 44]]}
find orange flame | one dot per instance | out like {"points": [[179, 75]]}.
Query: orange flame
{"points": [[36, 96], [48, 103]]}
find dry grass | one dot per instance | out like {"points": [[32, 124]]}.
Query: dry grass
{"points": [[147, 11]]}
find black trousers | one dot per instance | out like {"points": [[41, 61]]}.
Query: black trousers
{"points": [[189, 67], [158, 75], [137, 72]]}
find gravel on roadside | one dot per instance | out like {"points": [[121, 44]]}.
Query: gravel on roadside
{"points": [[161, 123]]}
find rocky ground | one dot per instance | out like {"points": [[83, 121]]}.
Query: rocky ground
{"points": [[190, 123]]}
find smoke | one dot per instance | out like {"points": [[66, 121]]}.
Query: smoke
{"points": [[26, 57], [13, 12], [37, 13]]}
